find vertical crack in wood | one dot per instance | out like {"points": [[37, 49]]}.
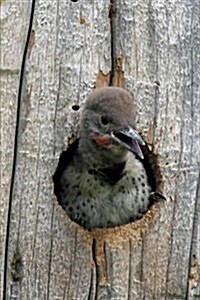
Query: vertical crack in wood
{"points": [[194, 233], [16, 274], [15, 146], [97, 271], [156, 103], [72, 267], [142, 266], [173, 216], [50, 255], [117, 61], [129, 270], [111, 8], [171, 244], [91, 291], [56, 110]]}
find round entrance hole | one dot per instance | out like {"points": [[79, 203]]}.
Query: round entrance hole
{"points": [[77, 210]]}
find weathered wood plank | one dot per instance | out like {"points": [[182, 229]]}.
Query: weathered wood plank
{"points": [[69, 55], [154, 47], [156, 56], [194, 285], [14, 20]]}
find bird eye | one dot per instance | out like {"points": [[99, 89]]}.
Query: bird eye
{"points": [[104, 120]]}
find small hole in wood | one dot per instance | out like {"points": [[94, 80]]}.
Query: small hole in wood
{"points": [[74, 0], [75, 107]]}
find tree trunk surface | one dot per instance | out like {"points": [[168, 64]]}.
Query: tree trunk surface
{"points": [[53, 53]]}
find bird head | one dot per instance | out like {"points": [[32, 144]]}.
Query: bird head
{"points": [[108, 121]]}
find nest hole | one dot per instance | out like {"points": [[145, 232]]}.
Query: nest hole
{"points": [[150, 162]]}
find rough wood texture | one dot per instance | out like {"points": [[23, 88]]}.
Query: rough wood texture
{"points": [[165, 79], [14, 20], [152, 49]]}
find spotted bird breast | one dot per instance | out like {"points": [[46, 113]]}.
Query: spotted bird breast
{"points": [[92, 200]]}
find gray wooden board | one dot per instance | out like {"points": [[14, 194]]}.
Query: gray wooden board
{"points": [[69, 46], [14, 20], [153, 47], [157, 43]]}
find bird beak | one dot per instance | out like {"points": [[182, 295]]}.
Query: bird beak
{"points": [[130, 139]]}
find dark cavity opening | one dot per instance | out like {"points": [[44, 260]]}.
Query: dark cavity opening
{"points": [[154, 175], [75, 107], [65, 158], [150, 162]]}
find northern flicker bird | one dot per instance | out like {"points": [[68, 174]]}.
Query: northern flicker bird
{"points": [[105, 184]]}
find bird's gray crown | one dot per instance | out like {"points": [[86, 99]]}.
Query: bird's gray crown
{"points": [[114, 104]]}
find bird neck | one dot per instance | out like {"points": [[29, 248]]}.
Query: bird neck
{"points": [[94, 156]]}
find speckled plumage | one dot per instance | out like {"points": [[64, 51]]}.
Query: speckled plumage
{"points": [[104, 184]]}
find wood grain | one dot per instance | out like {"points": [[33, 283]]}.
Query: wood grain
{"points": [[14, 20], [157, 44], [150, 48]]}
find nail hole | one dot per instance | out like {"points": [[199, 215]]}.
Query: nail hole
{"points": [[75, 107]]}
